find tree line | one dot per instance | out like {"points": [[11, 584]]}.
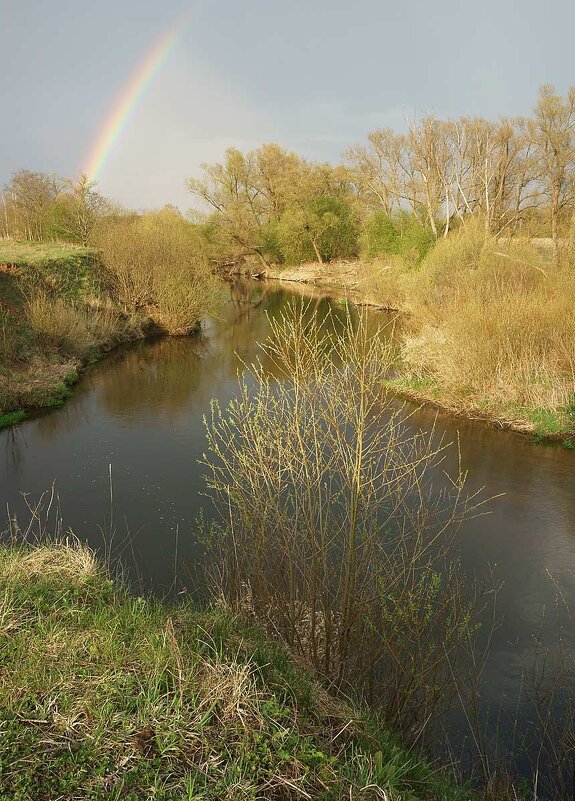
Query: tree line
{"points": [[397, 192], [37, 207], [516, 174]]}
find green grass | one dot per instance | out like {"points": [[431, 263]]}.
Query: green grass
{"points": [[69, 270], [34, 253], [413, 385], [547, 422], [11, 419], [108, 696]]}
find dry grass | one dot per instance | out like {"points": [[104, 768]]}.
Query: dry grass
{"points": [[59, 326], [63, 561], [492, 326], [381, 282]]}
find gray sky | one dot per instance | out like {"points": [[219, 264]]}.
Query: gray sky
{"points": [[314, 76]]}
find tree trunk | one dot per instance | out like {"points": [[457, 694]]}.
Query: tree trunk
{"points": [[554, 222], [316, 251]]}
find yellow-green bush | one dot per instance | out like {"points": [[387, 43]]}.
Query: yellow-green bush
{"points": [[157, 265]]}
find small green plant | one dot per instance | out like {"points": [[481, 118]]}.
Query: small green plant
{"points": [[548, 423], [11, 419]]}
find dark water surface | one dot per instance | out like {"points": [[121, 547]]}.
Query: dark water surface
{"points": [[140, 412]]}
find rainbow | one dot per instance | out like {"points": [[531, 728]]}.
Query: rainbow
{"points": [[128, 99]]}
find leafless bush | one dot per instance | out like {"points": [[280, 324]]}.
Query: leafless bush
{"points": [[336, 533]]}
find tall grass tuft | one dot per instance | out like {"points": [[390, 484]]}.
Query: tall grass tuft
{"points": [[59, 326]]}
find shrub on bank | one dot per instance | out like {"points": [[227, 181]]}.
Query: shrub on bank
{"points": [[157, 267]]}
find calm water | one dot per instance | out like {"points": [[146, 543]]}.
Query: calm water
{"points": [[139, 414]]}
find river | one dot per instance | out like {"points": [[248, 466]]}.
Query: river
{"points": [[136, 418]]}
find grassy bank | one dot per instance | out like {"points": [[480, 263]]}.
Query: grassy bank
{"points": [[63, 306], [107, 696], [491, 332], [57, 314], [488, 327]]}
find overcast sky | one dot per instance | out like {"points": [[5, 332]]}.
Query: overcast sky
{"points": [[315, 76]]}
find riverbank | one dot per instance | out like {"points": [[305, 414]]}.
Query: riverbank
{"points": [[354, 280], [62, 309], [111, 696], [487, 334], [57, 315]]}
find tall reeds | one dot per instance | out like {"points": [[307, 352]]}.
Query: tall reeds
{"points": [[492, 325]]}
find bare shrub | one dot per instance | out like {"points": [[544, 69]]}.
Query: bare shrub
{"points": [[335, 533]]}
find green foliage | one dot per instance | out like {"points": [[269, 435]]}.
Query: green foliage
{"points": [[272, 206], [326, 228], [380, 235], [270, 243], [548, 423], [10, 419], [402, 234]]}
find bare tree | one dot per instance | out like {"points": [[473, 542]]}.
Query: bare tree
{"points": [[30, 197], [82, 207], [553, 134]]}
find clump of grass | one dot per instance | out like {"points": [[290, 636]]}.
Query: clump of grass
{"points": [[62, 561], [107, 696], [59, 326], [10, 419]]}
